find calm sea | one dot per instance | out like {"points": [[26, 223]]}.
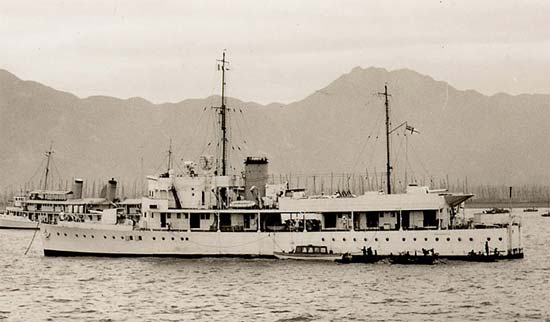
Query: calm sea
{"points": [[37, 288]]}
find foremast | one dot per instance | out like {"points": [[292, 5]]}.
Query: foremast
{"points": [[223, 154], [49, 154]]}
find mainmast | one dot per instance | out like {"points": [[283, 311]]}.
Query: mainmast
{"points": [[169, 156], [48, 156], [388, 125], [223, 122]]}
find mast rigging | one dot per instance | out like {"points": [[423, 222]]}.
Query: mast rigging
{"points": [[48, 156], [222, 110], [388, 125]]}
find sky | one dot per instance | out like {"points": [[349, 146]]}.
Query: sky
{"points": [[279, 51]]}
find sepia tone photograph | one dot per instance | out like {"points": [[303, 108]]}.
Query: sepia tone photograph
{"points": [[274, 160]]}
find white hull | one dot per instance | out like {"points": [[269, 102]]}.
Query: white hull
{"points": [[327, 257], [17, 222], [105, 241]]}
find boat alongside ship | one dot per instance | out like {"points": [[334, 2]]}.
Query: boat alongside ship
{"points": [[309, 253], [206, 211]]}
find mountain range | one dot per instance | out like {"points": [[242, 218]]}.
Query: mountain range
{"points": [[461, 134]]}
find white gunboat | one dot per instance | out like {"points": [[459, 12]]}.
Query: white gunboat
{"points": [[189, 214]]}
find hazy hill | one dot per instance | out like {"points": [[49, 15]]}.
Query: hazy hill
{"points": [[496, 139]]}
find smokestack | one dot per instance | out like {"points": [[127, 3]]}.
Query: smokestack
{"points": [[77, 188], [255, 175], [111, 190]]}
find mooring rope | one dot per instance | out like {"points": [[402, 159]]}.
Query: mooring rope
{"points": [[33, 235]]}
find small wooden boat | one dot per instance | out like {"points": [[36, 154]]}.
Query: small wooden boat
{"points": [[427, 258], [359, 258], [309, 252], [532, 209], [546, 214], [496, 211], [481, 257], [366, 257]]}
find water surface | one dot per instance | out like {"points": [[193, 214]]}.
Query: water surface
{"points": [[38, 288]]}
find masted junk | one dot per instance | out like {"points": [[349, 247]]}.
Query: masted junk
{"points": [[206, 211]]}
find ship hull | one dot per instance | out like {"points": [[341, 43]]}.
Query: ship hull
{"points": [[14, 222], [59, 240]]}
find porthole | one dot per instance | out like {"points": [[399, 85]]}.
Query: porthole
{"points": [[376, 239], [322, 238], [76, 235], [500, 239], [121, 237], [354, 239], [364, 239], [426, 239], [488, 238], [182, 239], [186, 238], [436, 239], [58, 234], [104, 237], [92, 236], [471, 239], [173, 238], [139, 238], [459, 239], [113, 237], [343, 239], [448, 239], [333, 239], [387, 239], [154, 238], [84, 236], [414, 239], [403, 239], [65, 234]]}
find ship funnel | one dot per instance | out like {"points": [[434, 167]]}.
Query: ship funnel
{"points": [[111, 190], [255, 177], [77, 188]]}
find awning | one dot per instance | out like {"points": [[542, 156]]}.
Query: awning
{"points": [[455, 200]]}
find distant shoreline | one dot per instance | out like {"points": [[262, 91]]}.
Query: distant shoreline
{"points": [[506, 204]]}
